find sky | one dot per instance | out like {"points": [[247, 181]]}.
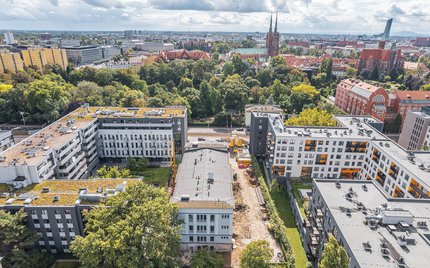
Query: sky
{"points": [[295, 16]]}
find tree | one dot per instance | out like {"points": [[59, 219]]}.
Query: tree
{"points": [[257, 254], [239, 66], [228, 68], [194, 99], [235, 94], [113, 172], [210, 98], [206, 259], [394, 126], [46, 100], [88, 92], [5, 87], [136, 228], [327, 68], [279, 91], [17, 242], [365, 73], [277, 60], [264, 76], [137, 165], [425, 87], [334, 255], [350, 72], [312, 117], [303, 96]]}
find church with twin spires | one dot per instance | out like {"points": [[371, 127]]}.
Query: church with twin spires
{"points": [[272, 39], [262, 54]]}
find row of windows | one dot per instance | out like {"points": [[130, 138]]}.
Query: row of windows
{"points": [[56, 211], [204, 238], [202, 217], [149, 137]]}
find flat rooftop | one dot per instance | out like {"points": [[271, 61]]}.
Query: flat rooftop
{"points": [[68, 192], [32, 150], [204, 180], [348, 127], [263, 108], [418, 167], [356, 232]]}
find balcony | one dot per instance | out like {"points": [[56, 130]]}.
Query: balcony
{"points": [[417, 191]]}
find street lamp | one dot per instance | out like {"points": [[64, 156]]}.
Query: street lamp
{"points": [[22, 115]]}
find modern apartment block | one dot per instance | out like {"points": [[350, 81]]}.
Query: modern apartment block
{"points": [[415, 129], [376, 230], [10, 62], [355, 149], [6, 140], [55, 208], [204, 194], [40, 57], [249, 108], [84, 54], [71, 147]]}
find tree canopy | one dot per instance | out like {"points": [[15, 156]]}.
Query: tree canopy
{"points": [[17, 243], [312, 117], [257, 254], [206, 259], [334, 255], [136, 228], [107, 172]]}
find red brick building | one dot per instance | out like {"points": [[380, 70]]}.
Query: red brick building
{"points": [[410, 100], [358, 98], [383, 60]]}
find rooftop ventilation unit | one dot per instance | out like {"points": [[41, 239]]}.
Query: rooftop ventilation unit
{"points": [[211, 177], [364, 186], [337, 184], [401, 262], [45, 190], [384, 250], [422, 225], [367, 246], [56, 198]]}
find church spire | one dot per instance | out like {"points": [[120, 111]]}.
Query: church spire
{"points": [[270, 29], [276, 22]]}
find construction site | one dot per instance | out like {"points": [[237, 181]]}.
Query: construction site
{"points": [[250, 219]]}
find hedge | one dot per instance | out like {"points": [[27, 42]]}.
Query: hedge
{"points": [[277, 225]]}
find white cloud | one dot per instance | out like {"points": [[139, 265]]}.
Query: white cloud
{"points": [[308, 16]]}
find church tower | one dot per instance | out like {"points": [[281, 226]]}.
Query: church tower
{"points": [[272, 38]]}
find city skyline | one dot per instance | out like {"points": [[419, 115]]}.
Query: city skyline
{"points": [[298, 16]]}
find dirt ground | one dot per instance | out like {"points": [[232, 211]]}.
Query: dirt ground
{"points": [[249, 217]]}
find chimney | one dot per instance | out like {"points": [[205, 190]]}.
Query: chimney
{"points": [[381, 44]]}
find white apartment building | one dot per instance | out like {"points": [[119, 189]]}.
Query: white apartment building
{"points": [[355, 149], [204, 195], [8, 38], [71, 147], [415, 129], [6, 140]]}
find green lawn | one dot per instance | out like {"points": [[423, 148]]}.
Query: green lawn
{"points": [[302, 203], [158, 175], [284, 209]]}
